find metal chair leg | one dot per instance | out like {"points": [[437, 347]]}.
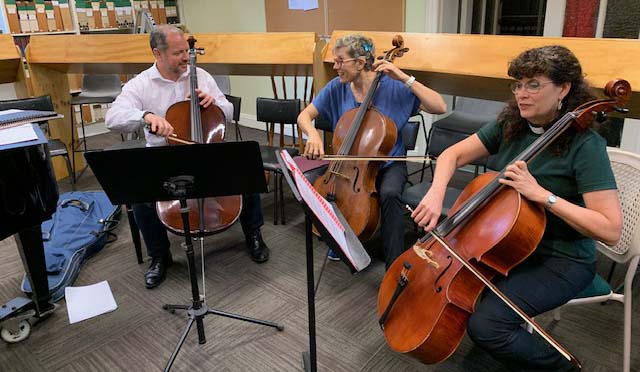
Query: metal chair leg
{"points": [[276, 196], [238, 133], [279, 179], [84, 136], [72, 176], [73, 145]]}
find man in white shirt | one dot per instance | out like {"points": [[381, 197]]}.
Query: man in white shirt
{"points": [[143, 103]]}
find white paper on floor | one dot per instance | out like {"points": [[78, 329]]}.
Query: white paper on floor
{"points": [[89, 301]]}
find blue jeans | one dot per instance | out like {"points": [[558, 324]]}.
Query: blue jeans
{"points": [[537, 285], [154, 233]]}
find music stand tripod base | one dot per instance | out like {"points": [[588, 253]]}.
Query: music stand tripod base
{"points": [[179, 186]]}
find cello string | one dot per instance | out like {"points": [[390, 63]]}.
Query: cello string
{"points": [[482, 196], [498, 293], [620, 95], [504, 299], [352, 133]]}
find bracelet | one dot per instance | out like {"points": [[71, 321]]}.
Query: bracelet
{"points": [[410, 81]]}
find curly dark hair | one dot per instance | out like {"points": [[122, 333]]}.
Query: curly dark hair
{"points": [[560, 65]]}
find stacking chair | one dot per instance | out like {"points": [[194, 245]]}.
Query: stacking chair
{"points": [[626, 168], [236, 102], [282, 111], [271, 111], [426, 141], [439, 140], [95, 89], [56, 146], [469, 115]]}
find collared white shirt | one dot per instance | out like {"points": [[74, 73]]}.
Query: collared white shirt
{"points": [[149, 91]]}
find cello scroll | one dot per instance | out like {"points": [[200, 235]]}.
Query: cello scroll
{"points": [[619, 91]]}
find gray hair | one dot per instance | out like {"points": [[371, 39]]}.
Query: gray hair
{"points": [[158, 36], [358, 46]]}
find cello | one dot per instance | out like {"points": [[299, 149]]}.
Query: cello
{"points": [[200, 125], [429, 292], [365, 132]]}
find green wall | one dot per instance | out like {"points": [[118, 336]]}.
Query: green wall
{"points": [[249, 16], [232, 16], [415, 14]]}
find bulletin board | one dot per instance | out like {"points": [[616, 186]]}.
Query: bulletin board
{"points": [[359, 15]]}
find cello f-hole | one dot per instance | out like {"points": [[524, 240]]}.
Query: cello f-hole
{"points": [[437, 287], [355, 180]]}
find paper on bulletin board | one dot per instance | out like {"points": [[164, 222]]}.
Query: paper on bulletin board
{"points": [[303, 4]]}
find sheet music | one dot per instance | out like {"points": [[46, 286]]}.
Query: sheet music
{"points": [[21, 133], [14, 117], [319, 205]]}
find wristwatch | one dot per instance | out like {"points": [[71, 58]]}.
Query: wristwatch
{"points": [[551, 200], [145, 114]]}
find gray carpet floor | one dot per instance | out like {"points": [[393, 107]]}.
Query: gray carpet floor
{"points": [[140, 335]]}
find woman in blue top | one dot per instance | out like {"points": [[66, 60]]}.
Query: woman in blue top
{"points": [[399, 96], [571, 178]]}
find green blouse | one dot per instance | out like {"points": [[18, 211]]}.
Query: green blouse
{"points": [[583, 168]]}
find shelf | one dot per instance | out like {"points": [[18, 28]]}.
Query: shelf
{"points": [[110, 30], [44, 33], [73, 18]]}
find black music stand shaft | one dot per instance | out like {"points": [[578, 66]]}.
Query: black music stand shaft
{"points": [[139, 175], [197, 310], [310, 359]]}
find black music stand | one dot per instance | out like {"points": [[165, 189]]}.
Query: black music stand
{"points": [[309, 359], [176, 172]]}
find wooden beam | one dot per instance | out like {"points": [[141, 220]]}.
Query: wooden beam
{"points": [[476, 65], [9, 60], [52, 58], [251, 54]]}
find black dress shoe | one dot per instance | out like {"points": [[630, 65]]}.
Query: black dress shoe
{"points": [[258, 251], [157, 271]]}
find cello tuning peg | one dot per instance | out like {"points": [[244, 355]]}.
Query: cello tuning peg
{"points": [[622, 110], [601, 116]]}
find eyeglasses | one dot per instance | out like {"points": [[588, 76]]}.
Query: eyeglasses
{"points": [[531, 86], [339, 62]]}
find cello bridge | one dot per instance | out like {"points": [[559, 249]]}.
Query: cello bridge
{"points": [[340, 175], [425, 255]]}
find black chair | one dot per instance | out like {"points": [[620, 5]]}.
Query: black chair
{"points": [[56, 146], [425, 133], [236, 102], [468, 116], [440, 137], [451, 130], [270, 164], [96, 89], [410, 134], [283, 111]]}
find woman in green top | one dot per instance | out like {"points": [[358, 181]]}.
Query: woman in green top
{"points": [[572, 178]]}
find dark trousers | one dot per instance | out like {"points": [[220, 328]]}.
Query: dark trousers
{"points": [[537, 285], [390, 184], [155, 234]]}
